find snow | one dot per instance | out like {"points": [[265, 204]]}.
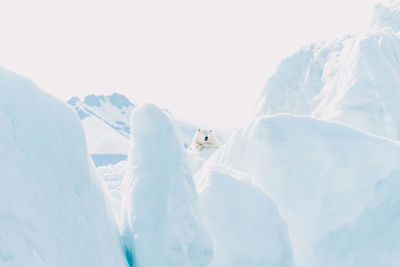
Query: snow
{"points": [[112, 176], [159, 198], [106, 119], [102, 139], [373, 238], [386, 14], [245, 223], [52, 208], [322, 176], [352, 80]]}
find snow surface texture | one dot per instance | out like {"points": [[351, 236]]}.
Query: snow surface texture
{"points": [[162, 223], [323, 176], [246, 226], [52, 209], [354, 80]]}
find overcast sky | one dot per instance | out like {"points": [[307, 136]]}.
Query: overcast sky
{"points": [[206, 61]]}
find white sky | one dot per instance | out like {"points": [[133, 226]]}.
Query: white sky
{"points": [[206, 61]]}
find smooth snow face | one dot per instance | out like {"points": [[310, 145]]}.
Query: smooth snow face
{"points": [[386, 14], [162, 222], [354, 80], [322, 175], [246, 226], [103, 139], [373, 238], [51, 208]]}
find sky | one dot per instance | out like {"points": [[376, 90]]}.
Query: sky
{"points": [[206, 61]]}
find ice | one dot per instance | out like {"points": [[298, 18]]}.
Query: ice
{"points": [[52, 209], [373, 238], [162, 221], [246, 225], [322, 175], [386, 14], [353, 80], [105, 121], [112, 176]]}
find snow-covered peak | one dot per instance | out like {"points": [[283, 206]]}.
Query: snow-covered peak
{"points": [[114, 110], [386, 14]]}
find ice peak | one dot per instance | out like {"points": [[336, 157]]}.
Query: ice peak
{"points": [[386, 14]]}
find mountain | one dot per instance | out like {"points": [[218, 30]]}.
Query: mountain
{"points": [[106, 120], [353, 80], [106, 123], [52, 208]]}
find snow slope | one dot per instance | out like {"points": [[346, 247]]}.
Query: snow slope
{"points": [[246, 226], [373, 238], [162, 223], [114, 110], [105, 120], [354, 79], [52, 209], [323, 176]]}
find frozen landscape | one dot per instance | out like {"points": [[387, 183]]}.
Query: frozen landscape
{"points": [[312, 180]]}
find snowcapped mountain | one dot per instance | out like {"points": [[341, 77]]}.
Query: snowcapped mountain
{"points": [[105, 120], [354, 79], [113, 110]]}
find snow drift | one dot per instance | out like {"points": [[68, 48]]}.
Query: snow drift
{"points": [[323, 176], [52, 210], [353, 80], [162, 224], [246, 226]]}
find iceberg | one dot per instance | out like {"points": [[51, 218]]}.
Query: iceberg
{"points": [[162, 222], [244, 221], [52, 208], [322, 175]]}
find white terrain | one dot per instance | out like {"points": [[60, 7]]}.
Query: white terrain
{"points": [[312, 180]]}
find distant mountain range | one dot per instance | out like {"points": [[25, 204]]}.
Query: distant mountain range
{"points": [[106, 121]]}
